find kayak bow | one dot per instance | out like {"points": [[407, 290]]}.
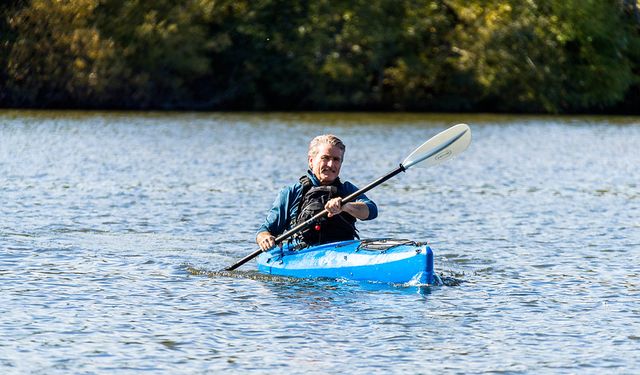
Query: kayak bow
{"points": [[381, 260]]}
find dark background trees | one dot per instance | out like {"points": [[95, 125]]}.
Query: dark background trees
{"points": [[549, 56]]}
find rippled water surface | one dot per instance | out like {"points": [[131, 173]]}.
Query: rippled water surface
{"points": [[113, 227]]}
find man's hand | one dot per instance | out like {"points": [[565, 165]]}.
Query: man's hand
{"points": [[356, 209], [266, 241], [334, 206]]}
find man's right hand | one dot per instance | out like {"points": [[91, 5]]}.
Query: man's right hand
{"points": [[266, 241]]}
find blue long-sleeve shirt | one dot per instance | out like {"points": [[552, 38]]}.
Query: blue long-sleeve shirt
{"points": [[285, 206]]}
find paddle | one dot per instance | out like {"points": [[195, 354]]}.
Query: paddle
{"points": [[441, 147]]}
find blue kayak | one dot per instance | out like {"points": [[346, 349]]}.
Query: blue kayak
{"points": [[381, 260]]}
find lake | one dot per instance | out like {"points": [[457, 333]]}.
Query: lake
{"points": [[114, 226]]}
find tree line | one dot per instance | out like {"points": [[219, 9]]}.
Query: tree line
{"points": [[532, 56]]}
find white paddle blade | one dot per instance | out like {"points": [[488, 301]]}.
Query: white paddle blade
{"points": [[441, 147]]}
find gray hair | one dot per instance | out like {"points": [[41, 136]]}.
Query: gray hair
{"points": [[329, 139]]}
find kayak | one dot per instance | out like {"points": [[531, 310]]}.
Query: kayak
{"points": [[381, 260]]}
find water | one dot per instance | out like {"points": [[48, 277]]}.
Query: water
{"points": [[113, 227]]}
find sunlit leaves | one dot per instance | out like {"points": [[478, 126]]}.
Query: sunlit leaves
{"points": [[58, 54], [545, 56]]}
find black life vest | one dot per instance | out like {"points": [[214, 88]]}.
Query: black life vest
{"points": [[329, 229]]}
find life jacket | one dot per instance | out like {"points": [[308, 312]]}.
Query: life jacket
{"points": [[340, 227]]}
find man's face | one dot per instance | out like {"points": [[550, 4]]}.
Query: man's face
{"points": [[326, 164]]}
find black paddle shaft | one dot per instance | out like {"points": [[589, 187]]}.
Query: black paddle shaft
{"points": [[318, 216]]}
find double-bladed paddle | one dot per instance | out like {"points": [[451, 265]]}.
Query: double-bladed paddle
{"points": [[439, 148]]}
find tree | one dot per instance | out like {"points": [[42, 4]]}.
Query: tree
{"points": [[162, 50], [57, 57], [548, 56]]}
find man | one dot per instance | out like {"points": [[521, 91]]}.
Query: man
{"points": [[320, 189]]}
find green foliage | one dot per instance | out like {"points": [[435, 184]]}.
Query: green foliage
{"points": [[549, 56], [599, 52], [56, 55], [378, 53], [162, 46], [258, 62], [448, 55]]}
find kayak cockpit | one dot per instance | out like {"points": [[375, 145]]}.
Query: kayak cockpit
{"points": [[384, 244]]}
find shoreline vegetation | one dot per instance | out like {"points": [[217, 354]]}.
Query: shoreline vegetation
{"points": [[527, 56]]}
